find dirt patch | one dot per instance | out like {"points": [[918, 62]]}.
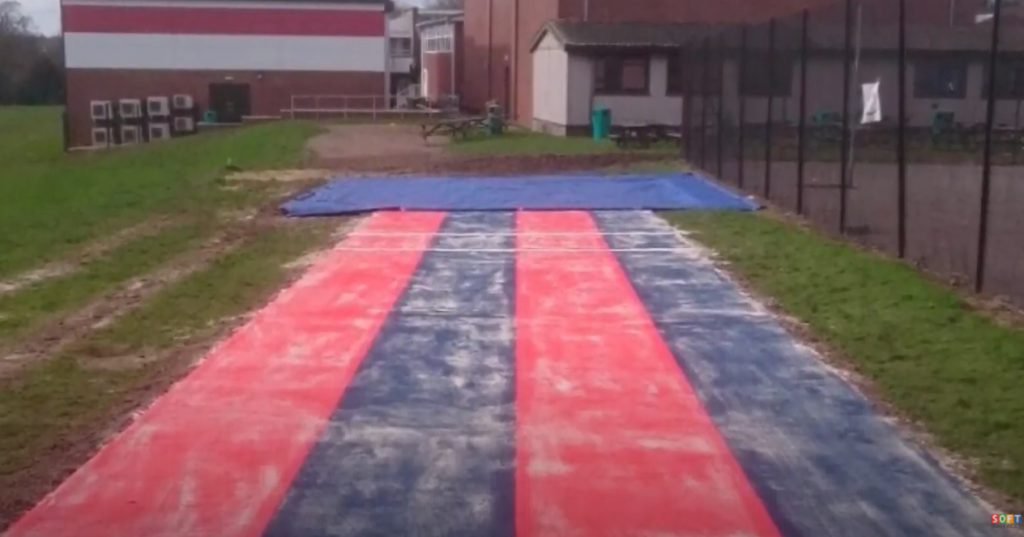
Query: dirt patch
{"points": [[372, 147], [83, 255], [69, 449], [283, 176], [400, 149], [57, 333]]}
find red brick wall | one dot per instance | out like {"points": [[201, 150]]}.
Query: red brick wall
{"points": [[487, 40], [460, 59], [271, 91], [438, 66]]}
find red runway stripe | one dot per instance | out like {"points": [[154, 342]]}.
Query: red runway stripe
{"points": [[611, 438], [223, 21], [216, 454]]}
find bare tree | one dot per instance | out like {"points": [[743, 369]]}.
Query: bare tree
{"points": [[30, 64]]}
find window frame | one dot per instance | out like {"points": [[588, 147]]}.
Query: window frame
{"points": [[922, 65], [1009, 80], [400, 51], [618, 62]]}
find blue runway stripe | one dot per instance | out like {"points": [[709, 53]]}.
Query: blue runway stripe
{"points": [[823, 462], [422, 443]]}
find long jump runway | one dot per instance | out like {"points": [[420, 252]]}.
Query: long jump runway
{"points": [[530, 374]]}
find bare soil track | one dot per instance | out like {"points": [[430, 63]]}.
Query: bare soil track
{"points": [[399, 149]]}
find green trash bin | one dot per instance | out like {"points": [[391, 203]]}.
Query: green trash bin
{"points": [[210, 116], [601, 123]]}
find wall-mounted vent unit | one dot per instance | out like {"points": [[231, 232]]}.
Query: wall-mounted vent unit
{"points": [[129, 108], [100, 110], [182, 102], [159, 131], [157, 107], [184, 125], [129, 134], [100, 137]]}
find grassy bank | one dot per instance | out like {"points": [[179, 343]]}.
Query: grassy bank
{"points": [[54, 202], [956, 371]]}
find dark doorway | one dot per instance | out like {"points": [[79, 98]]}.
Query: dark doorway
{"points": [[230, 102]]}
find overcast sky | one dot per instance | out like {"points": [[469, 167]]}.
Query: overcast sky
{"points": [[45, 14]]}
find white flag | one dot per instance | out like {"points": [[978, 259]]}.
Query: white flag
{"points": [[872, 103]]}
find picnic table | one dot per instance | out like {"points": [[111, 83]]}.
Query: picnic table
{"points": [[643, 134], [453, 127]]}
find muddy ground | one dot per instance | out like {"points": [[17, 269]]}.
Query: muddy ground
{"points": [[394, 149]]}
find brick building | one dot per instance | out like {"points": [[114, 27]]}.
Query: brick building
{"points": [[235, 57], [500, 33], [441, 57]]}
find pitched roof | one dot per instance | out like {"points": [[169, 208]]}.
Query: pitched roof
{"points": [[582, 35], [578, 34]]}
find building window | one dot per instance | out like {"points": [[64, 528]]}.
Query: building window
{"points": [[685, 75], [622, 75], [758, 81], [940, 79], [400, 46], [1009, 80], [438, 44]]}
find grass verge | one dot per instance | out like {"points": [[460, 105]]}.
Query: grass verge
{"points": [[533, 143], [228, 287], [47, 404], [955, 371], [21, 309]]}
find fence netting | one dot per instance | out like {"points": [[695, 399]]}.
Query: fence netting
{"points": [[872, 119]]}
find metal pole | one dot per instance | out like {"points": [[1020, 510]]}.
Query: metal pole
{"points": [[801, 134], [769, 118], [742, 120], [684, 121], [64, 75], [901, 143], [986, 173], [721, 97], [845, 138], [704, 103]]}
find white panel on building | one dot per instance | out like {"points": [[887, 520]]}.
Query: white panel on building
{"points": [[235, 52]]}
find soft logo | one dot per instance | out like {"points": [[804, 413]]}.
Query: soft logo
{"points": [[1006, 519]]}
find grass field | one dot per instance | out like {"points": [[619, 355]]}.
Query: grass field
{"points": [[518, 142], [957, 372], [156, 223]]}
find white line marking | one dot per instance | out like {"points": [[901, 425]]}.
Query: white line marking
{"points": [[502, 234], [681, 249]]}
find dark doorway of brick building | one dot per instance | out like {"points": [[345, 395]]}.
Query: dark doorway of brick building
{"points": [[230, 102]]}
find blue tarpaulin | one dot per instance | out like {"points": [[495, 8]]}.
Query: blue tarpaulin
{"points": [[666, 191]]}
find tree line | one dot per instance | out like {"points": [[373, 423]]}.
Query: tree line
{"points": [[31, 65]]}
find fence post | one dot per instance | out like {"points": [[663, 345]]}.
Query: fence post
{"points": [[901, 147], [684, 124], [844, 151], [801, 138], [720, 66], [704, 103], [741, 95], [769, 115], [986, 172]]}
